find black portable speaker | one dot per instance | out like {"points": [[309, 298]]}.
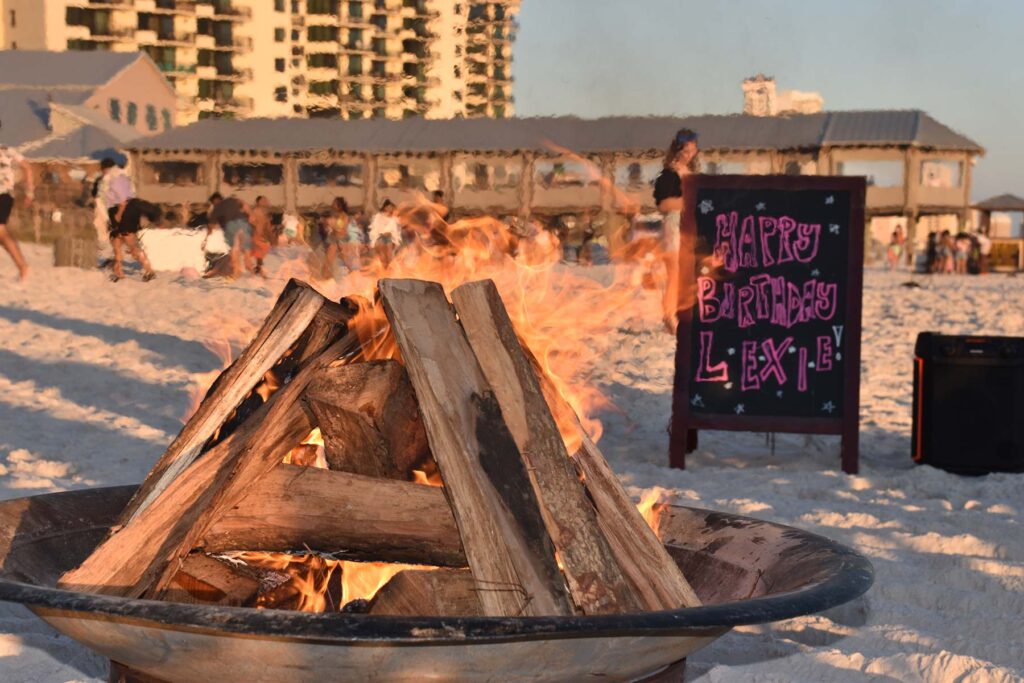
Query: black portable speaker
{"points": [[969, 403]]}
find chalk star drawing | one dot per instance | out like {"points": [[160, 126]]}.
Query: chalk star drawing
{"points": [[739, 409], [761, 358], [830, 199], [759, 206], [705, 270], [731, 351], [779, 393], [811, 364], [706, 206], [815, 273], [697, 401], [839, 356], [728, 385], [828, 407], [833, 228], [792, 349]]}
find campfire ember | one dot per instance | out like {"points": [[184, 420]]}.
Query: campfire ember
{"points": [[410, 456]]}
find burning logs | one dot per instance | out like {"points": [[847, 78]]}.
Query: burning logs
{"points": [[523, 524]]}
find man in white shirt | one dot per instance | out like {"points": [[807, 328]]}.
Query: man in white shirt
{"points": [[10, 160], [385, 233]]}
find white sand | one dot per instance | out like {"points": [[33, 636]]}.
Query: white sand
{"points": [[94, 377]]}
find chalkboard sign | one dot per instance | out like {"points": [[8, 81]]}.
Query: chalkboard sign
{"points": [[769, 325]]}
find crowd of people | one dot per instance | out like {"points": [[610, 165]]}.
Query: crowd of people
{"points": [[945, 254]]}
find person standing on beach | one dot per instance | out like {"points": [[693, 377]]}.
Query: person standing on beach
{"points": [[10, 159], [233, 216], [126, 212], [385, 233], [262, 232], [680, 159]]}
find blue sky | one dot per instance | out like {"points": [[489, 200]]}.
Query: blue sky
{"points": [[962, 62]]}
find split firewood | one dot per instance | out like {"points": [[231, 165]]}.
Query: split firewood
{"points": [[295, 309], [430, 593], [597, 584], [346, 515], [206, 580], [657, 578], [502, 530], [142, 557], [369, 419]]}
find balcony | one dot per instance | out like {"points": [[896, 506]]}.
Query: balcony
{"points": [[236, 44], [205, 42], [206, 72], [231, 13], [237, 103], [234, 75]]}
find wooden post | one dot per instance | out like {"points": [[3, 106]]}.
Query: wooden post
{"points": [[503, 534]]}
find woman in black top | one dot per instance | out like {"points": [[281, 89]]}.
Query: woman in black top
{"points": [[680, 159]]}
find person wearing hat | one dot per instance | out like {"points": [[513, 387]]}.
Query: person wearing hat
{"points": [[10, 160], [680, 159]]}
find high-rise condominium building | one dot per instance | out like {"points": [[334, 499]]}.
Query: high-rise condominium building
{"points": [[337, 58]]}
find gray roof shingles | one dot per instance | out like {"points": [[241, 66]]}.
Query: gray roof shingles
{"points": [[1003, 202], [641, 134], [72, 69]]}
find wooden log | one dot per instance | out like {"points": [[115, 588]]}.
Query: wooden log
{"points": [[205, 580], [428, 593], [641, 555], [347, 398], [142, 557], [499, 520], [295, 309], [345, 514], [596, 583]]}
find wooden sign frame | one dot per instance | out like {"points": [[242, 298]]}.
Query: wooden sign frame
{"points": [[684, 422]]}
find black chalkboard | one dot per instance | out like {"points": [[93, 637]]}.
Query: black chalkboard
{"points": [[769, 334]]}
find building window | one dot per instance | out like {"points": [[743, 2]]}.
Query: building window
{"points": [[379, 113], [941, 173], [252, 175], [355, 65], [279, 64], [281, 93], [886, 173], [317, 34], [423, 176], [355, 10], [279, 35], [322, 60], [331, 175], [133, 114], [14, 19], [115, 109], [565, 174], [165, 114], [494, 175], [172, 172], [323, 87], [278, 5], [321, 6], [151, 120]]}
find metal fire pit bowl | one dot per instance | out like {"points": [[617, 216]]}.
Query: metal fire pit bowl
{"points": [[745, 571]]}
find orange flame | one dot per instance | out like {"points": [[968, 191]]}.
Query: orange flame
{"points": [[650, 507]]}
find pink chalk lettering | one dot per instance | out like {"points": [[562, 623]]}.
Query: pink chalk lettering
{"points": [[745, 296], [773, 360], [709, 308], [706, 372], [762, 284], [747, 251], [787, 226], [795, 305], [778, 300], [728, 301], [824, 361], [769, 228], [825, 305], [801, 369], [725, 240], [807, 303], [748, 375], [805, 248]]}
